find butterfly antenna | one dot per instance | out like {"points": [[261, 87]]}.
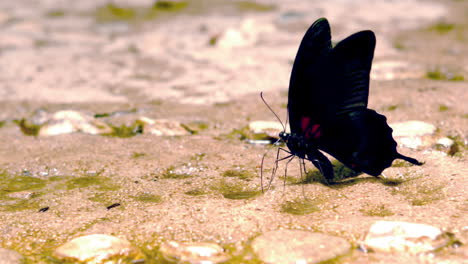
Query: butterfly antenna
{"points": [[277, 117]]}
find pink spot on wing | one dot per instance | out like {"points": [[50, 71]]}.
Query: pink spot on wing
{"points": [[315, 131], [305, 121], [310, 130], [318, 134]]}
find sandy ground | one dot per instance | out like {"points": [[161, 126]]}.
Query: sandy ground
{"points": [[206, 65]]}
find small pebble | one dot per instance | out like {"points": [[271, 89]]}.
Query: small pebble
{"points": [[295, 246], [394, 236], [413, 134], [412, 129], [271, 128], [163, 127], [197, 252], [445, 142], [22, 195], [96, 249]]}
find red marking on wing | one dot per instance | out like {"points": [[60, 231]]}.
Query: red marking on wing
{"points": [[305, 121], [309, 130]]}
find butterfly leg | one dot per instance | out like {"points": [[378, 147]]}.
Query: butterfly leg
{"points": [[278, 159], [291, 157], [261, 171], [302, 167]]}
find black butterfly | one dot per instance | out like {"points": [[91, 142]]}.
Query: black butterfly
{"points": [[328, 94]]}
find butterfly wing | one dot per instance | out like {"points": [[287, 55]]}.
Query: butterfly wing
{"points": [[328, 96], [358, 137], [352, 61], [307, 86]]}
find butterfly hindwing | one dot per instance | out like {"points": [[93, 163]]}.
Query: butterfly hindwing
{"points": [[352, 61]]}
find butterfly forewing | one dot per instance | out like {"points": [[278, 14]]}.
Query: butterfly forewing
{"points": [[304, 103]]}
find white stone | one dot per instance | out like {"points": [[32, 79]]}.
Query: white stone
{"points": [[445, 142], [412, 129], [394, 236], [70, 121], [265, 127], [296, 246], [22, 194], [413, 134], [58, 128], [163, 127], [94, 249], [197, 252]]}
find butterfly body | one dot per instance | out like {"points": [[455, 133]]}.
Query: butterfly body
{"points": [[327, 105]]}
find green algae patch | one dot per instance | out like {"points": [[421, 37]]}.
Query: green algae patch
{"points": [[240, 195], [14, 183], [392, 182], [148, 198], [239, 173], [456, 148], [101, 183], [252, 6], [299, 207], [340, 171], [235, 191], [443, 108], [55, 13], [21, 205], [392, 107], [169, 6], [380, 210], [36, 246], [27, 128], [398, 45], [125, 131], [118, 13], [401, 164], [443, 75], [442, 27], [196, 192], [245, 133], [195, 128], [113, 13], [243, 254], [137, 155]]}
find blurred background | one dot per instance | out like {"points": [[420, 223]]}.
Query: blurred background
{"points": [[202, 51]]}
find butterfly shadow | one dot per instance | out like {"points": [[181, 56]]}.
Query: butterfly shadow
{"points": [[345, 177]]}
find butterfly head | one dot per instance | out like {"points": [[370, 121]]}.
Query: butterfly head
{"points": [[284, 136]]}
